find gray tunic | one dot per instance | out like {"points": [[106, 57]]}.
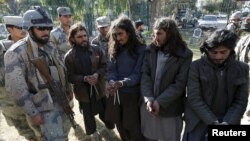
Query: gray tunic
{"points": [[160, 128]]}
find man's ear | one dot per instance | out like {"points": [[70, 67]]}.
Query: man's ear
{"points": [[72, 40], [9, 29]]}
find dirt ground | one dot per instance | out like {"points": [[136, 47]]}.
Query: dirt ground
{"points": [[8, 133]]}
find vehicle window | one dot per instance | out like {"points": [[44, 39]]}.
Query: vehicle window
{"points": [[209, 18]]}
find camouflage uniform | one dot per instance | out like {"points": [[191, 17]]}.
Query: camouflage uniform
{"points": [[234, 28], [13, 115], [59, 38], [102, 42], [23, 79], [243, 54]]}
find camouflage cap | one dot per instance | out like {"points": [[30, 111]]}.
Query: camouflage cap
{"points": [[102, 21], [62, 11], [13, 20]]}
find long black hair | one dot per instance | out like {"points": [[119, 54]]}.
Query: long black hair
{"points": [[123, 22], [220, 37], [175, 40]]}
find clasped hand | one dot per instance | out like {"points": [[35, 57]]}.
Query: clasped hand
{"points": [[91, 79], [113, 87], [153, 107]]}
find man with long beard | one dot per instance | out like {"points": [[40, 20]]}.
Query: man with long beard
{"points": [[12, 114], [86, 66]]}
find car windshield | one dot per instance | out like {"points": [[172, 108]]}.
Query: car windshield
{"points": [[221, 17], [209, 18]]}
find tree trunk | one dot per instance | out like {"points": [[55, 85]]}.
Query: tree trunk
{"points": [[129, 8], [153, 11], [12, 6]]}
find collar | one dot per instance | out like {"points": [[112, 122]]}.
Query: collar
{"points": [[89, 48], [62, 30], [226, 64], [181, 51], [35, 46], [102, 38]]}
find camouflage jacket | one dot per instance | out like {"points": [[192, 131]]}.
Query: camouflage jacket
{"points": [[242, 49], [101, 42], [4, 45], [59, 39], [234, 28], [23, 79]]}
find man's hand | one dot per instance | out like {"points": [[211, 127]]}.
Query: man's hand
{"points": [[37, 119], [156, 108], [118, 84], [93, 79], [111, 88]]}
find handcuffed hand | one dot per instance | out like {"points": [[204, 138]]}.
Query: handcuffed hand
{"points": [[111, 88], [91, 79], [118, 84], [155, 107]]}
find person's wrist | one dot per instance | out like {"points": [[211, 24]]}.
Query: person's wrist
{"points": [[96, 75], [121, 82], [85, 79], [215, 122], [224, 123], [111, 82]]}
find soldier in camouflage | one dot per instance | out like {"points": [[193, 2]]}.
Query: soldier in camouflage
{"points": [[59, 37], [23, 80], [235, 22], [243, 54], [101, 40], [12, 114], [60, 33]]}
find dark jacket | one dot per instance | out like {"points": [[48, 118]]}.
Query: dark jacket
{"points": [[127, 69], [173, 81], [76, 76], [202, 87]]}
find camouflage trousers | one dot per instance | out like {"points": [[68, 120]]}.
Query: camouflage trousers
{"points": [[15, 117], [54, 127]]}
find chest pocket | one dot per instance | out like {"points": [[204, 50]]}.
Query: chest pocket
{"points": [[62, 39]]}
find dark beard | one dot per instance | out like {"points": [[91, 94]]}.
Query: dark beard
{"points": [[36, 39], [82, 46]]}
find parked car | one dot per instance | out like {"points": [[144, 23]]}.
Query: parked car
{"points": [[222, 20], [208, 22], [185, 18]]}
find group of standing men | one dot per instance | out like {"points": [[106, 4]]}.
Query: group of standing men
{"points": [[140, 89]]}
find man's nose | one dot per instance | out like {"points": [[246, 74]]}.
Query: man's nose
{"points": [[219, 56], [118, 37]]}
